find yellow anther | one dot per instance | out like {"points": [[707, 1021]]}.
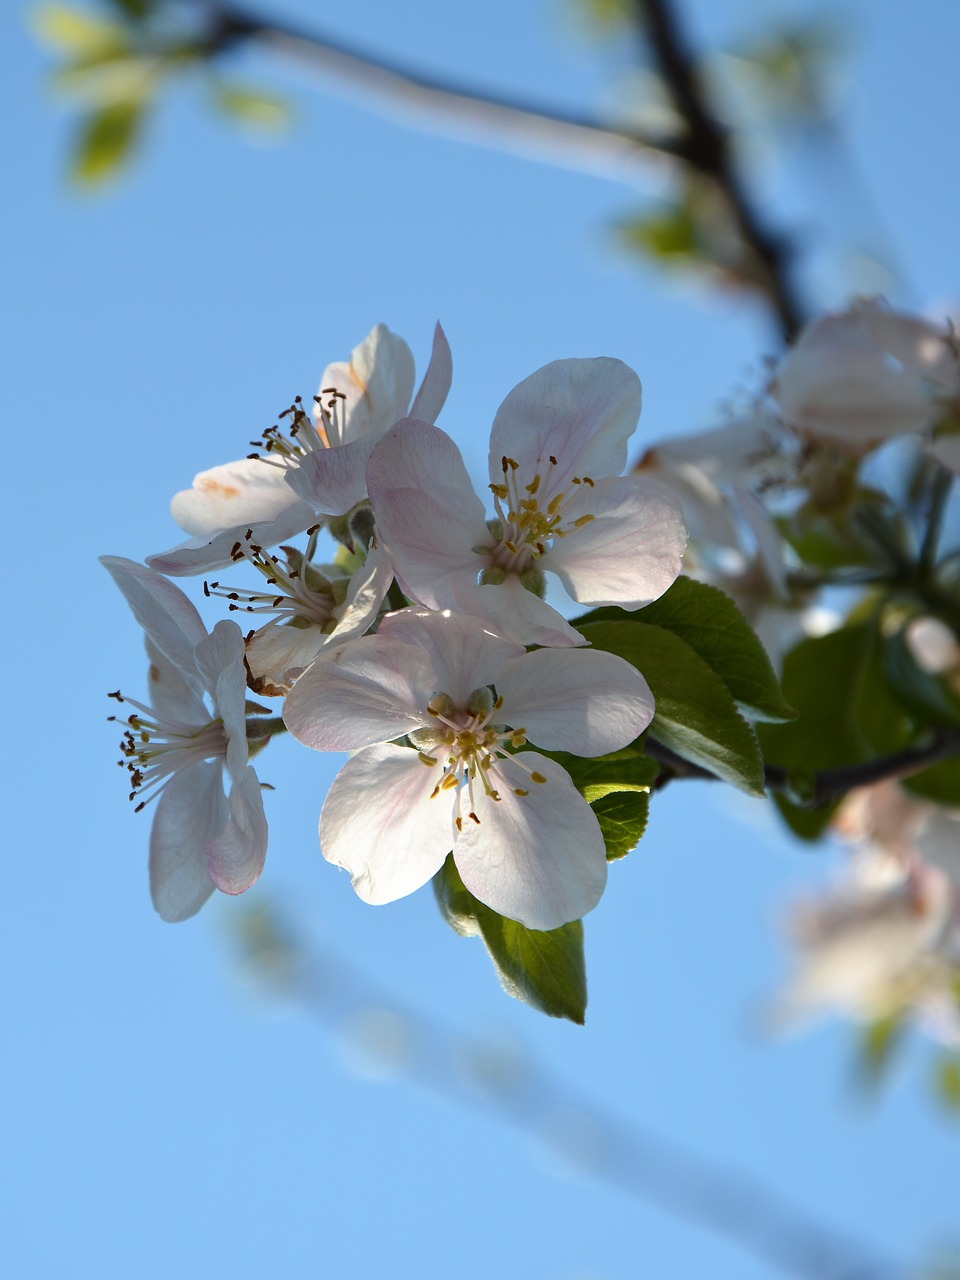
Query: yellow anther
{"points": [[425, 759], [534, 484], [538, 777], [587, 480], [450, 781], [500, 490], [519, 791], [582, 520], [459, 822], [555, 504]]}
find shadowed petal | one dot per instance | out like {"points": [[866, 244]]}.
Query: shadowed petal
{"points": [[435, 387], [162, 610], [235, 856], [237, 493], [538, 858], [201, 554], [379, 823], [191, 811]]}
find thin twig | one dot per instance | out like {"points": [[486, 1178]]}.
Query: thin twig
{"points": [[709, 151]]}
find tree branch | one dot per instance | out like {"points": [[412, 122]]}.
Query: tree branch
{"points": [[827, 784], [508, 122], [709, 151]]}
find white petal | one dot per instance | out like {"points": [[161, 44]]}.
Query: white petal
{"points": [[220, 663], [630, 553], [370, 690], [237, 493], [278, 656], [379, 822], [333, 481], [236, 854], [537, 858], [166, 615], [516, 613], [201, 554], [435, 387], [581, 412], [428, 516], [464, 654], [579, 700], [191, 810], [171, 694], [377, 382]]}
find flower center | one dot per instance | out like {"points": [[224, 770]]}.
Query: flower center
{"points": [[299, 593], [526, 526], [469, 748], [155, 747]]}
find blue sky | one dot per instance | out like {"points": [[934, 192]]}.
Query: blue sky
{"points": [[164, 1116]]}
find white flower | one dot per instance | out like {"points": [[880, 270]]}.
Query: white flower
{"points": [[525, 842], [176, 749], [312, 609], [859, 377], [314, 470], [558, 444]]}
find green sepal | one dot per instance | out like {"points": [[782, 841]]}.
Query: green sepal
{"points": [[696, 715], [712, 625], [545, 969]]}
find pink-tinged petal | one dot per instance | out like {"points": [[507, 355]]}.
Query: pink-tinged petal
{"points": [[370, 690], [191, 810], [540, 857], [463, 652], [516, 613], [366, 593], [237, 493], [428, 516], [581, 412], [219, 658], [333, 481], [172, 695], [166, 615], [435, 387], [629, 553], [379, 823], [235, 856], [579, 700], [201, 554], [377, 383], [946, 450]]}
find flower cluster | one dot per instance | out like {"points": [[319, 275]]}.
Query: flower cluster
{"points": [[410, 647]]}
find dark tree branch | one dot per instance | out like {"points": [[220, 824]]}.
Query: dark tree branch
{"points": [[709, 151], [827, 784]]}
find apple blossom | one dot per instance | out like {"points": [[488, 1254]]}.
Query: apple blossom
{"points": [[313, 469], [312, 608], [524, 840], [558, 444], [859, 377], [176, 750]]}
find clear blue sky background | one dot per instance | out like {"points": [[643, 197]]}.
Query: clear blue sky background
{"points": [[160, 1117]]}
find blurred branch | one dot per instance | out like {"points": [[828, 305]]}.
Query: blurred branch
{"points": [[708, 150], [506, 120], [527, 1095]]}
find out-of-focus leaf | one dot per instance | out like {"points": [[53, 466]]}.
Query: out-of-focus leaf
{"points": [[939, 783], [878, 1048], [923, 693], [107, 140], [77, 31], [948, 1082], [252, 107], [135, 9], [546, 969]]}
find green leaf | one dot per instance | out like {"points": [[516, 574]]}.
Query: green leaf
{"points": [[135, 9], [107, 140], [938, 782], [921, 692], [77, 31], [696, 715], [947, 1082], [712, 625], [252, 107], [617, 788], [546, 969], [878, 1048]]}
